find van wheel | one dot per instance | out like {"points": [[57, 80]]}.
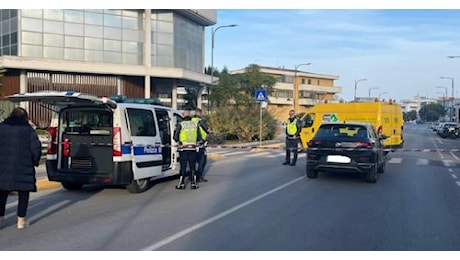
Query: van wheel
{"points": [[138, 186], [72, 185]]}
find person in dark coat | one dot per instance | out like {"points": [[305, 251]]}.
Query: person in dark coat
{"points": [[20, 152]]}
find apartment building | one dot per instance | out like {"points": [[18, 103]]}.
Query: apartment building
{"points": [[312, 89]]}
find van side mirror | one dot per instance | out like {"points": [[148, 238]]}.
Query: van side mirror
{"points": [[383, 137]]}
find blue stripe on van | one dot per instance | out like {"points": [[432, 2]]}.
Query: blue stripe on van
{"points": [[146, 150], [125, 149]]}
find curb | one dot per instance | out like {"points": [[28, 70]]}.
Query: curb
{"points": [[45, 184]]}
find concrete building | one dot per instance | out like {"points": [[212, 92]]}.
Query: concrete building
{"points": [[312, 89], [137, 53]]}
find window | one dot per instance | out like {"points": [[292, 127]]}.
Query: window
{"points": [[309, 82], [141, 122]]}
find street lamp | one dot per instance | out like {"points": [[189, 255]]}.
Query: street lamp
{"points": [[295, 95], [356, 85], [382, 93], [213, 33], [370, 91], [453, 98], [444, 97]]}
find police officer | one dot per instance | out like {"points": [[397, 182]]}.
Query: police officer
{"points": [[188, 135], [204, 129], [293, 128]]}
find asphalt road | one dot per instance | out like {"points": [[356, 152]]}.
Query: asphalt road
{"points": [[253, 203]]}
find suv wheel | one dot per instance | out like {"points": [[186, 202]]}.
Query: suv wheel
{"points": [[312, 174], [371, 176]]}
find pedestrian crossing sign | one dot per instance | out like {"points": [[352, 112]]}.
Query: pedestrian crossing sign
{"points": [[261, 95]]}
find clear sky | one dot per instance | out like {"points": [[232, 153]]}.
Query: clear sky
{"points": [[401, 52]]}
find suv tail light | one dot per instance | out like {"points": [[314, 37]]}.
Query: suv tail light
{"points": [[52, 146], [116, 140], [313, 143], [367, 145]]}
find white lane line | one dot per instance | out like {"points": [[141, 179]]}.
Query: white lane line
{"points": [[458, 183], [217, 217], [450, 170], [454, 176]]}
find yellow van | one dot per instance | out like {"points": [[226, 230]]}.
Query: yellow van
{"points": [[386, 117]]}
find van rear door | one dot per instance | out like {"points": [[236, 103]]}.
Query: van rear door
{"points": [[61, 98]]}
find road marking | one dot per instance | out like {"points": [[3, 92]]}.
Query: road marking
{"points": [[446, 163], [458, 183], [395, 160], [216, 217], [258, 154], [233, 153], [422, 161], [450, 170], [453, 155], [454, 176]]}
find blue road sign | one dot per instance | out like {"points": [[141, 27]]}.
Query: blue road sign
{"points": [[261, 95]]}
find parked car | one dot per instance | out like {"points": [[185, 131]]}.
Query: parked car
{"points": [[448, 129], [346, 147]]}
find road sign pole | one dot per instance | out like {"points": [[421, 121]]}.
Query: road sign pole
{"points": [[260, 126]]}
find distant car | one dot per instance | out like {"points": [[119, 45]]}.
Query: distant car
{"points": [[448, 129], [346, 147], [434, 126]]}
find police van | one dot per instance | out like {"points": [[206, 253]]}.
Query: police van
{"points": [[107, 141]]}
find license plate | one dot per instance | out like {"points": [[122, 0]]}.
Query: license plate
{"points": [[338, 159]]}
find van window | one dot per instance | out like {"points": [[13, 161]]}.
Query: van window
{"points": [[86, 121], [308, 120], [141, 122]]}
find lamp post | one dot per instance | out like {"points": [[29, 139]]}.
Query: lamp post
{"points": [[453, 98], [370, 91], [213, 33], [444, 97], [382, 93], [356, 85], [295, 94]]}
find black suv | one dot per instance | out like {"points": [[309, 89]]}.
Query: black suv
{"points": [[346, 147]]}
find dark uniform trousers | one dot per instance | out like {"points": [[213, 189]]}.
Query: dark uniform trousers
{"points": [[187, 158], [200, 161], [291, 146]]}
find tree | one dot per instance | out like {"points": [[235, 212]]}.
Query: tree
{"points": [[236, 113], [431, 112], [410, 116]]}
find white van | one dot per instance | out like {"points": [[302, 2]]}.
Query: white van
{"points": [[107, 141]]}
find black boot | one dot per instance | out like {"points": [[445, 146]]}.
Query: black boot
{"points": [[181, 184]]}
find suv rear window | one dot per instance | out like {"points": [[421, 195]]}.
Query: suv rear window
{"points": [[348, 132]]}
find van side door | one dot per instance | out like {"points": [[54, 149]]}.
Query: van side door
{"points": [[146, 143], [165, 132]]}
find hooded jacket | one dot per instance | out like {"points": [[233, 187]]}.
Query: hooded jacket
{"points": [[20, 152]]}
